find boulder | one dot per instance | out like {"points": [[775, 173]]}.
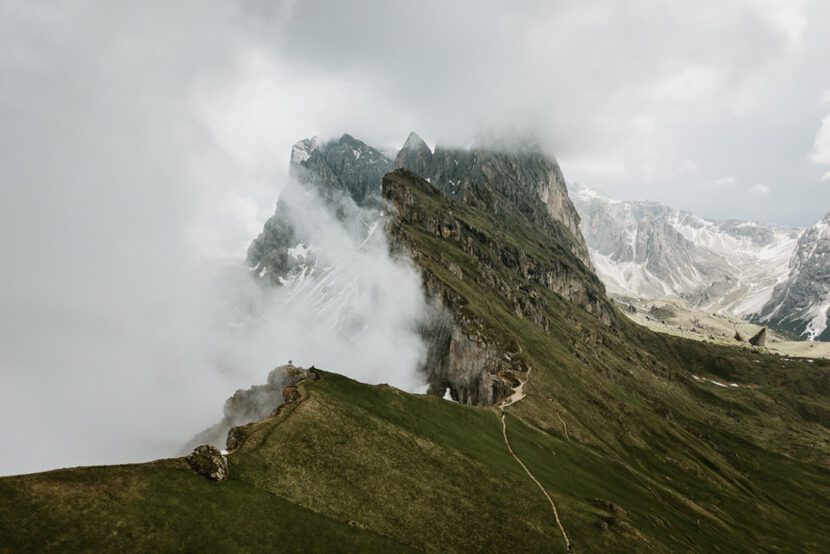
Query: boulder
{"points": [[760, 338], [207, 461], [739, 337]]}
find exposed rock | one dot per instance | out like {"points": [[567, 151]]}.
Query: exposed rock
{"points": [[739, 337], [254, 404], [208, 461], [346, 174], [521, 174], [236, 436], [649, 250], [759, 339], [290, 394], [800, 305]]}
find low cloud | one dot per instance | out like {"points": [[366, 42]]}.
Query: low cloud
{"points": [[759, 189], [821, 146], [724, 181]]}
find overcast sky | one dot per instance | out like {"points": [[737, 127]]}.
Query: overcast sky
{"points": [[142, 142]]}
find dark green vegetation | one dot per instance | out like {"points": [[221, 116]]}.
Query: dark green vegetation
{"points": [[163, 507], [625, 428]]}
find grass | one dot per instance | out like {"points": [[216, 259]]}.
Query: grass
{"points": [[163, 507]]}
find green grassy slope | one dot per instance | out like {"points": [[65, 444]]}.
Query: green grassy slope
{"points": [[729, 468], [625, 428], [163, 507]]}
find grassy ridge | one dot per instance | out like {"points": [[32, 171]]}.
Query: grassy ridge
{"points": [[163, 507]]}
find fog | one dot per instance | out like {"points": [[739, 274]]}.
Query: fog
{"points": [[143, 146], [127, 315]]}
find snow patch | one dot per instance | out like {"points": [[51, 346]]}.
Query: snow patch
{"points": [[299, 251]]}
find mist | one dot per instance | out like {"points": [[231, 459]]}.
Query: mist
{"points": [[127, 315], [143, 147]]}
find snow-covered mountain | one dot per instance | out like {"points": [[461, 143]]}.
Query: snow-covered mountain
{"points": [[649, 250], [800, 303]]}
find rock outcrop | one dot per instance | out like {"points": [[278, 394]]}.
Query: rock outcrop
{"points": [[253, 404], [759, 339], [208, 461]]}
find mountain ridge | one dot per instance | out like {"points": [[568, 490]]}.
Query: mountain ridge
{"points": [[729, 265], [627, 430]]}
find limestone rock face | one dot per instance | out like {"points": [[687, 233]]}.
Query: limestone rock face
{"points": [[801, 303], [460, 358], [208, 461], [522, 174]]}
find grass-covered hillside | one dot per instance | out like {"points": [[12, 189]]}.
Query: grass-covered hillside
{"points": [[645, 442]]}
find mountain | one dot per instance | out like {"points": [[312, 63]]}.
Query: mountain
{"points": [[526, 178], [801, 303], [649, 250], [610, 437], [345, 174]]}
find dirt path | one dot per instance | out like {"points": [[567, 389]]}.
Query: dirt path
{"points": [[518, 394]]}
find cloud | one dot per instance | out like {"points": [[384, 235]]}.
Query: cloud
{"points": [[724, 181], [624, 95], [759, 189], [821, 145], [133, 175]]}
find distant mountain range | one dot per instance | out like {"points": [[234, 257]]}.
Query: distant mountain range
{"points": [[764, 273]]}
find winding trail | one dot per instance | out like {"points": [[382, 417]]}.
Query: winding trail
{"points": [[519, 394]]}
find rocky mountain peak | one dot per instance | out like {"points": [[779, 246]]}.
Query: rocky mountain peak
{"points": [[415, 155], [416, 143], [302, 150], [521, 174], [800, 304]]}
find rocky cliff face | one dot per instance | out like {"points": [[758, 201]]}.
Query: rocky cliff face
{"points": [[473, 361], [801, 303], [522, 174], [649, 250]]}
